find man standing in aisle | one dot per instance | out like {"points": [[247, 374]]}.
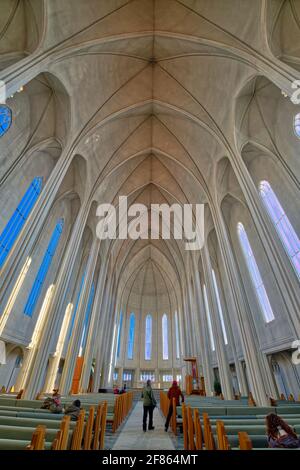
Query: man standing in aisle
{"points": [[149, 405]]}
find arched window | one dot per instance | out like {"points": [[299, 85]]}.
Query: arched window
{"points": [[18, 219], [210, 331], [148, 337], [5, 119], [131, 336], [255, 274], [165, 344], [44, 267], [297, 125], [219, 307], [282, 224], [119, 335], [177, 336]]}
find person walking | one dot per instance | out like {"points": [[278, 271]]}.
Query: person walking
{"points": [[174, 392], [149, 403]]}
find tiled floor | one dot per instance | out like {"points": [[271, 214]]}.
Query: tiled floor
{"points": [[133, 437]]}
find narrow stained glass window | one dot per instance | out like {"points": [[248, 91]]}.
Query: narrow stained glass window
{"points": [[165, 337], [131, 336], [18, 219], [285, 230], [148, 337], [44, 268], [255, 274]]}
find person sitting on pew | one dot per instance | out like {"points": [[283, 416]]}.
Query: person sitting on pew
{"points": [[73, 410], [280, 434], [174, 392], [53, 403]]}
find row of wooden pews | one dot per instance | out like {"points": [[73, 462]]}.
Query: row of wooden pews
{"points": [[212, 423], [23, 424]]}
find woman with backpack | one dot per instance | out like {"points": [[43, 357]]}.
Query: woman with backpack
{"points": [[149, 403]]}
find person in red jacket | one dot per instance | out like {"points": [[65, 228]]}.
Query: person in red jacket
{"points": [[174, 392]]}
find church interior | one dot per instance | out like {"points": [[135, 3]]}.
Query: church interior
{"points": [[164, 102]]}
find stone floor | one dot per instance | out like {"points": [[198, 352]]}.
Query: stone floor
{"points": [[133, 437]]}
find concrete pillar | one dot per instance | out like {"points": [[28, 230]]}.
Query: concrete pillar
{"points": [[74, 343], [224, 371], [34, 378]]}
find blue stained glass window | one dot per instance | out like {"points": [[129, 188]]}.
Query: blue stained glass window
{"points": [[297, 125], [5, 119], [18, 219], [255, 274], [284, 228], [119, 335], [148, 337], [165, 337], [44, 268], [131, 336]]}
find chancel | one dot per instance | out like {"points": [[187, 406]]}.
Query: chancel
{"points": [[115, 104]]}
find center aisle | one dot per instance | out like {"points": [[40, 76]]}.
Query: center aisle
{"points": [[132, 436]]}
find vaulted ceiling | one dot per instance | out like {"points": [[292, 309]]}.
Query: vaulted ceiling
{"points": [[152, 94]]}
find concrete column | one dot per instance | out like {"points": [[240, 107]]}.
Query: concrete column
{"points": [[203, 332], [34, 378], [102, 328], [260, 378], [96, 319], [224, 371], [74, 343]]}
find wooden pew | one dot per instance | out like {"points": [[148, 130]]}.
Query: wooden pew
{"points": [[198, 431], [88, 432], [209, 440], [38, 439], [222, 438], [78, 432], [244, 441], [62, 437]]}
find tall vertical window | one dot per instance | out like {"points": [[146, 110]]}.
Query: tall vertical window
{"points": [[177, 336], [87, 319], [207, 311], [219, 307], [282, 224], [5, 119], [119, 335], [148, 337], [165, 343], [297, 125], [44, 268], [255, 274], [18, 219], [131, 336]]}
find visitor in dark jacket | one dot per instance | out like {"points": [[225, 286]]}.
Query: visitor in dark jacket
{"points": [[174, 392], [73, 410], [149, 403]]}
